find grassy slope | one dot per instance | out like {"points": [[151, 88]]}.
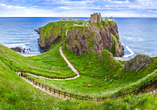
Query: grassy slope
{"points": [[16, 94], [100, 77], [17, 62]]}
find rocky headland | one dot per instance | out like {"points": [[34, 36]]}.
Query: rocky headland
{"points": [[90, 36], [138, 62]]}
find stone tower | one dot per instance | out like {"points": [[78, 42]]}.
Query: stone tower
{"points": [[95, 18], [99, 18]]}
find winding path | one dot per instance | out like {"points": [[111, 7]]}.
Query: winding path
{"points": [[69, 64]]}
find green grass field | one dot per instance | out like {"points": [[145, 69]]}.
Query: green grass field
{"points": [[16, 94], [41, 65]]}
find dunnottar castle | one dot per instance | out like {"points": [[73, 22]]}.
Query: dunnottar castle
{"points": [[94, 18]]}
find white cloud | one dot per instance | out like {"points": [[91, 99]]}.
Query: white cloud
{"points": [[121, 1], [54, 8], [11, 7], [63, 7]]}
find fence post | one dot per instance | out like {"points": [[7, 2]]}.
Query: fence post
{"points": [[59, 93], [45, 88], [64, 94], [50, 90], [97, 99], [76, 97], [42, 86], [54, 91], [70, 96], [82, 97]]}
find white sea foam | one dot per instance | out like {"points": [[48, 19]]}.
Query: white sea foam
{"points": [[16, 45], [18, 38], [127, 38], [132, 53]]}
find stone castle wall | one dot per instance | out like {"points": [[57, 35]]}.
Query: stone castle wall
{"points": [[95, 18]]}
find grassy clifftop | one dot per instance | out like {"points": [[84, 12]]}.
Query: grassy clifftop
{"points": [[54, 32]]}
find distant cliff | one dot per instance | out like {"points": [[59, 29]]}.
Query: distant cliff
{"points": [[83, 38]]}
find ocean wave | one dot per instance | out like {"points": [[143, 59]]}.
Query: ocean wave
{"points": [[131, 52], [20, 38], [16, 45], [127, 38]]}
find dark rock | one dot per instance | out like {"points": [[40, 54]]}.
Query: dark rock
{"points": [[38, 31], [17, 49], [77, 40], [137, 63]]}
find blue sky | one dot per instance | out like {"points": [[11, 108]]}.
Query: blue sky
{"points": [[78, 8]]}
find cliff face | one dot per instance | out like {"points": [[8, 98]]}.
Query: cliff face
{"points": [[52, 33], [77, 40], [95, 38]]}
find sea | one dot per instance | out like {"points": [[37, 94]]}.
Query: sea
{"points": [[137, 35]]}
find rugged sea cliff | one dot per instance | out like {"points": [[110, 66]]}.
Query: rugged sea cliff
{"points": [[82, 37]]}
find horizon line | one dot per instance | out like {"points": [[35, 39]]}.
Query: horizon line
{"points": [[68, 17]]}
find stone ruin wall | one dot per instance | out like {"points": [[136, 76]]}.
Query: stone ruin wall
{"points": [[95, 18]]}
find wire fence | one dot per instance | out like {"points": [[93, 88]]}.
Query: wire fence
{"points": [[98, 99]]}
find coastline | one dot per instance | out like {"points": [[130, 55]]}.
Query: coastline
{"points": [[35, 54], [29, 54]]}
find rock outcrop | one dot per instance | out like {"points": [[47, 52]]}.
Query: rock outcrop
{"points": [[77, 40], [17, 49], [50, 34], [38, 31], [95, 38], [137, 63]]}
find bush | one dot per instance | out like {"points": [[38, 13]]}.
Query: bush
{"points": [[80, 21]]}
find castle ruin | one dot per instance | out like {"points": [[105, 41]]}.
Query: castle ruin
{"points": [[95, 18]]}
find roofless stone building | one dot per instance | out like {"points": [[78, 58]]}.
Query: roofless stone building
{"points": [[95, 18]]}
